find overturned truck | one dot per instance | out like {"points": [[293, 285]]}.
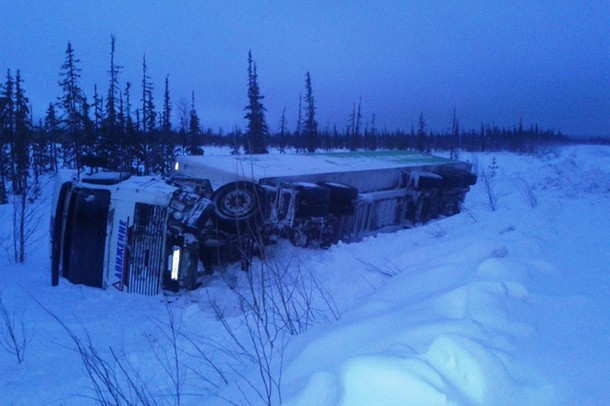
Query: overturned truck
{"points": [[146, 234]]}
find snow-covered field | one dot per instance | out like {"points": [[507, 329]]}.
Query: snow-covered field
{"points": [[506, 307]]}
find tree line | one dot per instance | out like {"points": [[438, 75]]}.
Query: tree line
{"points": [[122, 129], [125, 129]]}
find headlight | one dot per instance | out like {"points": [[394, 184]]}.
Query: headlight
{"points": [[175, 262], [177, 166]]}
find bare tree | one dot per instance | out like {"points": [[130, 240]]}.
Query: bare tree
{"points": [[115, 381], [14, 333], [170, 356], [527, 193], [276, 301], [489, 189]]}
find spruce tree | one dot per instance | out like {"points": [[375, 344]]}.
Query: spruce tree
{"points": [[283, 132], [111, 134], [130, 143], [38, 156], [370, 136], [298, 132], [235, 136], [89, 137], [113, 88], [455, 143], [20, 150], [422, 144], [51, 127], [254, 142], [6, 134], [167, 141], [311, 136], [149, 115], [127, 105], [72, 102], [167, 108], [98, 109], [355, 138], [23, 136], [194, 133], [149, 120], [9, 125]]}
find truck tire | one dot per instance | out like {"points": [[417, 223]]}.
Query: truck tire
{"points": [[429, 180], [469, 178], [313, 193], [342, 198], [452, 179], [340, 193], [238, 205], [312, 200]]}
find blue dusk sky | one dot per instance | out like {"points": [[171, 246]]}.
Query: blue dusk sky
{"points": [[495, 62]]}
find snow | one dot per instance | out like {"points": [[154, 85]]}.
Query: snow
{"points": [[486, 307]]}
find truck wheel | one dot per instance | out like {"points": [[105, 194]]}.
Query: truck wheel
{"points": [[429, 180], [312, 193], [342, 198], [469, 178], [340, 193], [312, 200], [238, 204], [452, 179]]}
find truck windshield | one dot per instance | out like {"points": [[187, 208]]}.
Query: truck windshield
{"points": [[83, 259]]}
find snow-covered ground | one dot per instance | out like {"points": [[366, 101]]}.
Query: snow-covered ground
{"points": [[506, 307]]}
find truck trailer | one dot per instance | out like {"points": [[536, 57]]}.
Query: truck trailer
{"points": [[146, 234]]}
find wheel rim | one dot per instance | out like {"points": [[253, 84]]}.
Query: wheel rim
{"points": [[237, 203]]}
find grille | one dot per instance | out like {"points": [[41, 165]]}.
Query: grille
{"points": [[147, 249]]}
